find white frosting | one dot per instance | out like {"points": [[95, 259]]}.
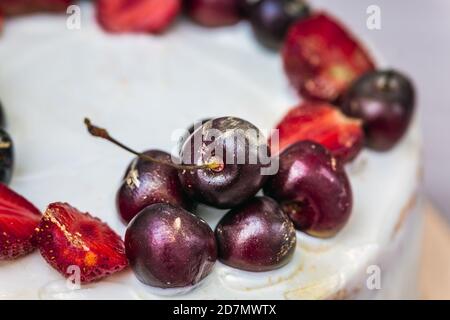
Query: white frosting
{"points": [[143, 87]]}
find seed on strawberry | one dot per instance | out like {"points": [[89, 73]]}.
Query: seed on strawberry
{"points": [[67, 237], [152, 16], [321, 58], [15, 7], [18, 221], [322, 123]]}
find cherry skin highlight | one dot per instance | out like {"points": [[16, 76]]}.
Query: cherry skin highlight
{"points": [[231, 142], [313, 189], [384, 100], [169, 247], [147, 183], [256, 236]]}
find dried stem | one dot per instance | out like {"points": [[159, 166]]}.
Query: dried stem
{"points": [[104, 134]]}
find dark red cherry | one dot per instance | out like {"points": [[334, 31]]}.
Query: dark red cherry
{"points": [[271, 19], [385, 101], [241, 150], [213, 13], [312, 188], [169, 247], [256, 236], [6, 157], [190, 131], [146, 183]]}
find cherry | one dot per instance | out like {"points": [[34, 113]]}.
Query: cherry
{"points": [[238, 178], [312, 188], [223, 163], [256, 236], [384, 100], [6, 157], [169, 247], [190, 131], [271, 19], [146, 183], [213, 13]]}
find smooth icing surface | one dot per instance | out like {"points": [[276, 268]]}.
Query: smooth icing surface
{"points": [[142, 88]]}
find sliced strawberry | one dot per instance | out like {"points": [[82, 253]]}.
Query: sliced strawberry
{"points": [[15, 7], [67, 237], [152, 16], [18, 221], [324, 124], [321, 58], [2, 20]]}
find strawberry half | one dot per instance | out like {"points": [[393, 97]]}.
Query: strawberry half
{"points": [[18, 221], [152, 16], [2, 20], [321, 58], [15, 7], [67, 237], [324, 124]]}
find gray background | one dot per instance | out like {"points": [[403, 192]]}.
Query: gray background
{"points": [[415, 38]]}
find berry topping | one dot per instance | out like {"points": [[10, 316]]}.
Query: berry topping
{"points": [[152, 16], [18, 221], [312, 188], [169, 247], [322, 59], [15, 7], [236, 144], [2, 21], [384, 100], [272, 18], [324, 124], [213, 13], [148, 182], [67, 237], [256, 236], [6, 157]]}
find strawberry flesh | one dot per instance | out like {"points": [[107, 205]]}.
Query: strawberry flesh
{"points": [[322, 123], [67, 237], [151, 16], [16, 7], [18, 221], [321, 58]]}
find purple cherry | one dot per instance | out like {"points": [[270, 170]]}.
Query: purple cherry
{"points": [[256, 236], [239, 147], [384, 100], [312, 188], [147, 183], [169, 247]]}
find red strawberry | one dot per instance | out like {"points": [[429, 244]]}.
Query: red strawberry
{"points": [[15, 7], [66, 237], [324, 124], [18, 221], [152, 16], [2, 20], [321, 58]]}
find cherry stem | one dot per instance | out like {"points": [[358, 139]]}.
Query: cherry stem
{"points": [[104, 134]]}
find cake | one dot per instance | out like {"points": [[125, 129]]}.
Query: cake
{"points": [[52, 77]]}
